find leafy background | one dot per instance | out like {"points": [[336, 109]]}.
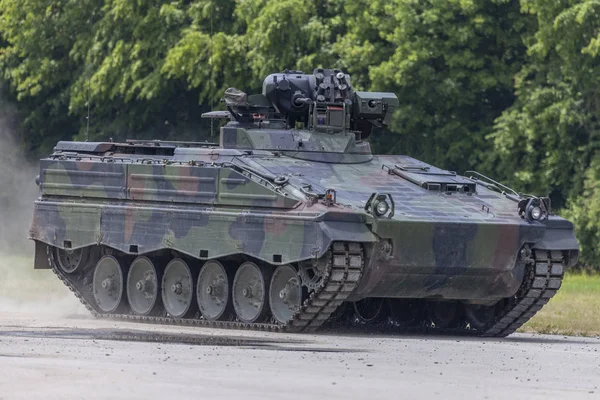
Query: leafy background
{"points": [[511, 88]]}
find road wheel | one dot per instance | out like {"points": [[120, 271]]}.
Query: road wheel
{"points": [[212, 291], [142, 286], [178, 288], [107, 284], [249, 294], [285, 293]]}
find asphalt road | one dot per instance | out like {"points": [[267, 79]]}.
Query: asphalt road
{"points": [[45, 355]]}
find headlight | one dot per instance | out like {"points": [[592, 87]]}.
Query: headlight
{"points": [[381, 208], [536, 213], [534, 208], [380, 205]]}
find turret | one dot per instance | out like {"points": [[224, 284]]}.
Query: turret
{"points": [[324, 101], [317, 117]]}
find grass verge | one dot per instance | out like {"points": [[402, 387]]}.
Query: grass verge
{"points": [[575, 310]]}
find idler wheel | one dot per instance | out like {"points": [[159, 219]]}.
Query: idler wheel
{"points": [[285, 293], [404, 312], [479, 316], [107, 284], [177, 288], [443, 314], [370, 310], [72, 260], [249, 294], [212, 291], [142, 286]]}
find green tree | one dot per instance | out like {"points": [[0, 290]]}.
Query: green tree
{"points": [[121, 61], [548, 141], [293, 34], [507, 87], [257, 38], [34, 58], [451, 64], [56, 55], [584, 211], [210, 54]]}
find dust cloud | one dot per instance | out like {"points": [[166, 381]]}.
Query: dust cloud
{"points": [[17, 190], [22, 289]]}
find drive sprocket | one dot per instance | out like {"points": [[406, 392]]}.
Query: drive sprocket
{"points": [[311, 272]]}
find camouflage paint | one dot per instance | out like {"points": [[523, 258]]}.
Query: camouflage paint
{"points": [[261, 193]]}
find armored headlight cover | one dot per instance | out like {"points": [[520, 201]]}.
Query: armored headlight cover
{"points": [[380, 205], [534, 209]]}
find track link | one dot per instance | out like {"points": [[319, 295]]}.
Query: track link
{"points": [[543, 278], [342, 274]]}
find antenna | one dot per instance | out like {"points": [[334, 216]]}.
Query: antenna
{"points": [[212, 102], [87, 128]]}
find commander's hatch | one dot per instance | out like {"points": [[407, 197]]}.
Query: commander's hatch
{"points": [[432, 178]]}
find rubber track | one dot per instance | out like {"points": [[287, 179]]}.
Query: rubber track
{"points": [[342, 274], [543, 278]]}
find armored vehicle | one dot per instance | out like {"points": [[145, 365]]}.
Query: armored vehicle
{"points": [[291, 223]]}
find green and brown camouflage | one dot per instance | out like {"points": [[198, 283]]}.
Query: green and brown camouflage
{"points": [[292, 175]]}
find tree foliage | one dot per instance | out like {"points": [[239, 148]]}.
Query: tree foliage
{"points": [[508, 87], [451, 64], [548, 140]]}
